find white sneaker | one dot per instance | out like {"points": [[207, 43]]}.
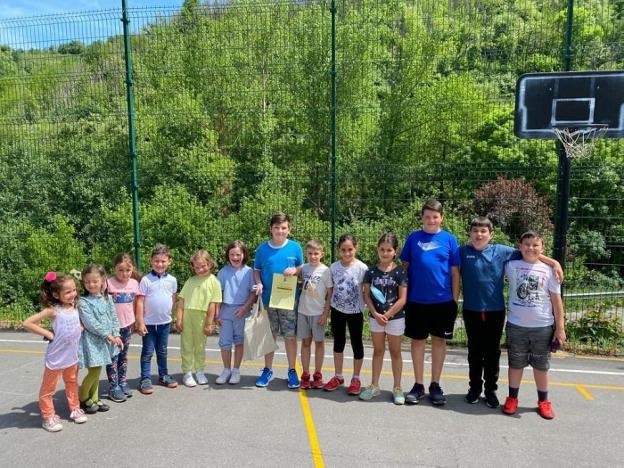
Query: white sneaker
{"points": [[52, 424], [225, 375], [235, 377], [78, 416], [188, 380], [201, 378]]}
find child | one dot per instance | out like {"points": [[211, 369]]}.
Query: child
{"points": [[197, 305], [278, 255], [347, 305], [100, 341], [237, 283], [123, 289], [431, 258], [58, 295], [482, 275], [314, 303], [385, 294], [157, 294], [535, 316]]}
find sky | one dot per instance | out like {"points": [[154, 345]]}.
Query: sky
{"points": [[22, 8]]}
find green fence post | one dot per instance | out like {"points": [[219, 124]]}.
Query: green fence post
{"points": [[131, 133], [333, 193]]}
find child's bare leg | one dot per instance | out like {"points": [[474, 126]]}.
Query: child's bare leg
{"points": [[226, 357], [515, 377], [268, 358], [319, 355], [357, 366], [438, 354], [238, 355], [338, 362], [541, 380], [306, 349], [418, 360], [290, 343], [394, 346], [379, 349]]}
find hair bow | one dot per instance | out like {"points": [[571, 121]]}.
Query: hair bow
{"points": [[50, 276]]}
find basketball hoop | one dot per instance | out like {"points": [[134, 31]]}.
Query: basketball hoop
{"points": [[580, 142]]}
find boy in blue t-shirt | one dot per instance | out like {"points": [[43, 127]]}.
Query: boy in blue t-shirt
{"points": [[278, 255], [482, 275]]}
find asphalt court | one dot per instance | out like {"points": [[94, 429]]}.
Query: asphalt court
{"points": [[243, 425]]}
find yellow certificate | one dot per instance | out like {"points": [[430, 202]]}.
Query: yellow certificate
{"points": [[283, 292]]}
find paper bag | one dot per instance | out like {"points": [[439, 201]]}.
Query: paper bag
{"points": [[258, 337]]}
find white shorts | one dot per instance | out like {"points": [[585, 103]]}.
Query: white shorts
{"points": [[394, 327], [308, 326]]}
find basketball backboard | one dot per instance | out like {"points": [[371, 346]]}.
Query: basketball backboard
{"points": [[573, 100]]}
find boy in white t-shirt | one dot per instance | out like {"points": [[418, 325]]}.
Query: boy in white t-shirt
{"points": [[535, 320], [313, 310]]}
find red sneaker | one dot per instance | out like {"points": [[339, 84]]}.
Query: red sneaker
{"points": [[544, 408], [510, 406], [355, 387], [333, 384], [318, 380], [305, 381]]}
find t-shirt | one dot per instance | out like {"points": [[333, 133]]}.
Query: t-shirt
{"points": [[123, 297], [316, 281], [483, 276], [388, 283], [530, 285], [199, 291], [347, 293], [236, 284], [270, 259], [158, 292], [431, 258]]}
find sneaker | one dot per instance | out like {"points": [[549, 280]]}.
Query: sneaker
{"points": [[235, 377], [436, 395], [416, 394], [544, 408], [354, 387], [223, 378], [78, 416], [201, 378], [116, 394], [102, 407], [510, 406], [491, 399], [52, 424], [333, 384], [370, 392], [397, 396], [305, 381], [188, 380], [145, 387], [317, 381], [472, 396], [293, 380], [89, 409], [167, 381], [265, 377], [126, 389]]}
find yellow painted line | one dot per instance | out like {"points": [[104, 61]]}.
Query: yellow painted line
{"points": [[583, 391], [315, 448]]}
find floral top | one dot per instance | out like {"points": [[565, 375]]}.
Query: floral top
{"points": [[99, 319]]}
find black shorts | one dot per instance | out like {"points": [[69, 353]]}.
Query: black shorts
{"points": [[422, 320]]}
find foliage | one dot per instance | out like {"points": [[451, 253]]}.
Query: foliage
{"points": [[597, 327]]}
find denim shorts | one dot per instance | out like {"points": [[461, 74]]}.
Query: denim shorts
{"points": [[529, 346], [283, 322], [308, 326]]}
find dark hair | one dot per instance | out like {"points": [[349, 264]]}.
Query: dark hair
{"points": [[50, 287], [199, 255], [345, 238], [127, 258], [279, 218], [531, 235], [482, 221], [237, 244], [161, 249], [432, 205], [389, 238], [97, 269]]}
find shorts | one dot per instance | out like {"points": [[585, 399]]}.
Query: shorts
{"points": [[232, 328], [422, 320], [529, 346], [308, 326], [394, 327], [283, 322]]}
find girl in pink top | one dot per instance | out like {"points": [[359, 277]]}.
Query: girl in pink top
{"points": [[123, 288], [59, 296]]}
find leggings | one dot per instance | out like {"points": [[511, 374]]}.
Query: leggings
{"points": [[339, 323], [90, 389]]}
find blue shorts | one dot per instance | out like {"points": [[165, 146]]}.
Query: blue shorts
{"points": [[232, 329]]}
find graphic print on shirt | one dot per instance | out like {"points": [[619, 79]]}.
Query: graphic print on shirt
{"points": [[346, 291], [122, 297], [310, 284], [528, 287], [427, 246]]}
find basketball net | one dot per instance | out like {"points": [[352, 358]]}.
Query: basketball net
{"points": [[580, 142]]}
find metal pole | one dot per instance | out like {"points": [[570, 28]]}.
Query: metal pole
{"points": [[333, 193], [567, 54], [131, 133]]}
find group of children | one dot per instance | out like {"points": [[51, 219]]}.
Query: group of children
{"points": [[417, 299]]}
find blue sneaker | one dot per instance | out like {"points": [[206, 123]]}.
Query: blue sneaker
{"points": [[293, 380], [265, 378], [116, 394]]}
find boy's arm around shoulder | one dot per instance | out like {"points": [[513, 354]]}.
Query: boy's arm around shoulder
{"points": [[554, 264], [32, 323]]}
